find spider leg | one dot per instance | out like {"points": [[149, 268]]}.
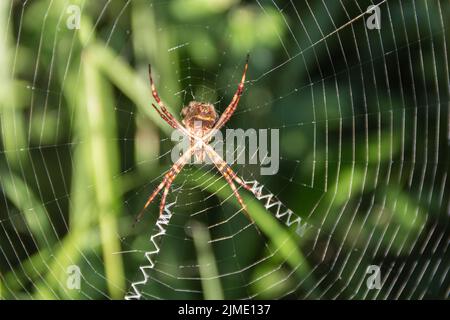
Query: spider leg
{"points": [[165, 183], [163, 116], [164, 113], [150, 199], [235, 191], [213, 154], [225, 171], [226, 115], [166, 191]]}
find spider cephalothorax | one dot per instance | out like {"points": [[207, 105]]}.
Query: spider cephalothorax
{"points": [[199, 112], [200, 122], [199, 119]]}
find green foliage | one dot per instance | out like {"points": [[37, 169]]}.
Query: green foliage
{"points": [[80, 143]]}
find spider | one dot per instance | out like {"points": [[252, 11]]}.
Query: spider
{"points": [[200, 122]]}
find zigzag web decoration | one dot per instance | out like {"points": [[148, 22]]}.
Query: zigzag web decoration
{"points": [[162, 224], [273, 204]]}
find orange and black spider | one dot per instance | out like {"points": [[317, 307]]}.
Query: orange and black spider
{"points": [[193, 114]]}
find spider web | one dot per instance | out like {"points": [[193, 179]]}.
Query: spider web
{"points": [[363, 121]]}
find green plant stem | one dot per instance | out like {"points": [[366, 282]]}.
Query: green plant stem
{"points": [[212, 288], [104, 165]]}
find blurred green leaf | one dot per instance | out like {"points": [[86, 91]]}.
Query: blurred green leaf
{"points": [[196, 9]]}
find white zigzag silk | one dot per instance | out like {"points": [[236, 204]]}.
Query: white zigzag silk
{"points": [[161, 223], [280, 209]]}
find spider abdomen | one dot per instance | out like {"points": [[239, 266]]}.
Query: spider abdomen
{"points": [[199, 118]]}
